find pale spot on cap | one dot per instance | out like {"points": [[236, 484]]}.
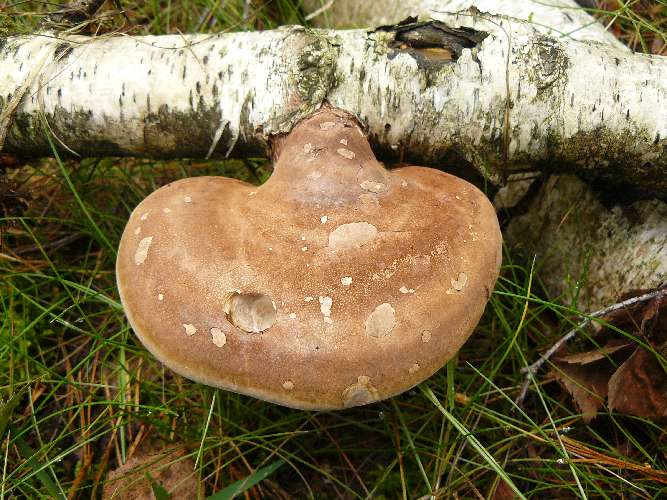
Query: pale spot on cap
{"points": [[307, 147], [218, 336], [426, 336], [343, 142], [325, 306], [160, 296], [360, 393], [345, 153], [142, 250], [373, 187], [405, 289], [414, 368], [308, 299], [288, 385], [460, 281], [252, 193], [166, 210], [350, 235], [381, 321], [187, 199], [369, 201], [189, 329], [137, 230], [292, 315], [251, 312], [144, 216], [303, 249], [324, 219], [327, 125], [346, 280]]}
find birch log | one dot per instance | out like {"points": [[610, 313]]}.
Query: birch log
{"points": [[479, 91]]}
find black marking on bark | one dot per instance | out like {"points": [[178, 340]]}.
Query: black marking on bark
{"points": [[61, 51], [548, 62]]}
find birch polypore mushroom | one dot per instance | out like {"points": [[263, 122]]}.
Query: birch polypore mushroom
{"points": [[335, 284]]}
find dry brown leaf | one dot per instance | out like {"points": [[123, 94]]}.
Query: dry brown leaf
{"points": [[587, 384], [169, 468], [630, 376], [583, 358], [639, 387], [503, 492]]}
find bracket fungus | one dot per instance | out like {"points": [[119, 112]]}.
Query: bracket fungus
{"points": [[334, 284]]}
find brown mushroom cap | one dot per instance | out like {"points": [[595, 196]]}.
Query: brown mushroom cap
{"points": [[334, 284]]}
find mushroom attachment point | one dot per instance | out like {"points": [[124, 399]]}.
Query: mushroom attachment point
{"points": [[336, 283]]}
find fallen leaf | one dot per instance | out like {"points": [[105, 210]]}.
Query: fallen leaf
{"points": [[590, 356], [587, 384], [639, 387], [503, 492], [153, 474], [629, 375]]}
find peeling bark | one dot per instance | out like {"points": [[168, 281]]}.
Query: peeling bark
{"points": [[478, 106]]}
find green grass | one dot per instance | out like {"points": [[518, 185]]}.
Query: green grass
{"points": [[87, 395]]}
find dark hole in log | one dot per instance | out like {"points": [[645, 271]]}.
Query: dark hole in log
{"points": [[432, 43]]}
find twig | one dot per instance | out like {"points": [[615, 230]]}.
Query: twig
{"points": [[531, 370]]}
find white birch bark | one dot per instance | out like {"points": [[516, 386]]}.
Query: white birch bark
{"points": [[518, 99]]}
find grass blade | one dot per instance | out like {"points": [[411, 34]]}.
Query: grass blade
{"points": [[472, 440], [244, 485]]}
